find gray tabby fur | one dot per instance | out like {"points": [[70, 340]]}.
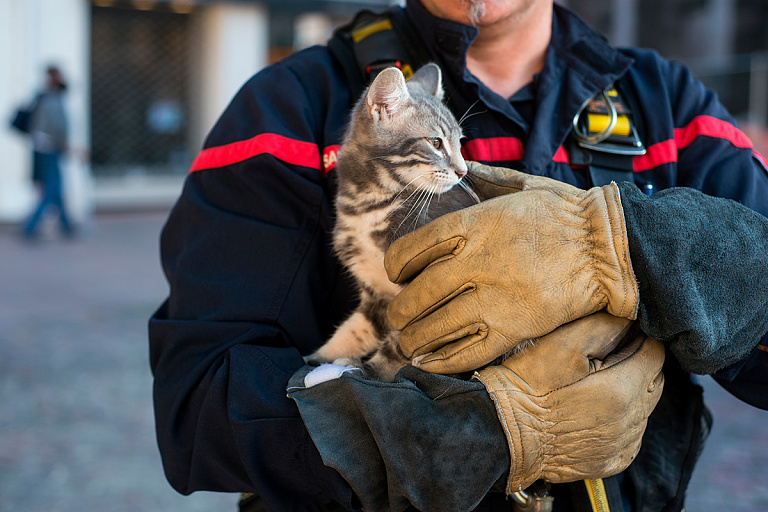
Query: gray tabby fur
{"points": [[392, 179]]}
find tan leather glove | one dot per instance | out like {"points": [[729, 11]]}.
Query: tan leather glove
{"points": [[489, 181], [512, 268], [573, 406]]}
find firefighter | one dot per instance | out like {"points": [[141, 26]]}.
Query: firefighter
{"points": [[570, 255]]}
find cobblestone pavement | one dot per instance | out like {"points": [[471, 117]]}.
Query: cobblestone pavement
{"points": [[76, 426]]}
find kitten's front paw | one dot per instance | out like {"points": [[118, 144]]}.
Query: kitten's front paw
{"points": [[346, 361], [318, 357], [322, 355]]}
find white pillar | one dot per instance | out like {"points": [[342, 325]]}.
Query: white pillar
{"points": [[16, 86], [233, 44], [33, 34]]}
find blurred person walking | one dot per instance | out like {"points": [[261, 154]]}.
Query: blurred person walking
{"points": [[48, 131]]}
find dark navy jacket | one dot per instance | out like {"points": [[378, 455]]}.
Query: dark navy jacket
{"points": [[254, 285]]}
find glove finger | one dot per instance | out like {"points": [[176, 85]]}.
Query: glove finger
{"points": [[571, 348], [411, 254], [635, 369], [440, 325], [490, 181], [468, 353], [455, 338], [429, 291]]}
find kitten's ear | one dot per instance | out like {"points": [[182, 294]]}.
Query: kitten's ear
{"points": [[430, 79], [387, 96]]}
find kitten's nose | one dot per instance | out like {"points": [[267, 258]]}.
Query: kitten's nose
{"points": [[460, 171]]}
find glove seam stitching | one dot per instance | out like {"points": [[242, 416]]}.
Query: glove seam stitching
{"points": [[628, 288], [594, 265], [520, 467]]}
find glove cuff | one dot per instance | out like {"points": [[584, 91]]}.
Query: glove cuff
{"points": [[526, 434], [613, 264]]}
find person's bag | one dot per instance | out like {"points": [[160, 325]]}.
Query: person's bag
{"points": [[21, 119]]}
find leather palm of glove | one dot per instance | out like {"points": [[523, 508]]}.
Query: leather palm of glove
{"points": [[512, 268], [586, 418]]}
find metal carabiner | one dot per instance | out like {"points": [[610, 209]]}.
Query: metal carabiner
{"points": [[595, 138], [539, 500]]}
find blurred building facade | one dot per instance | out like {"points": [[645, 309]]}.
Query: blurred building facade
{"points": [[148, 78]]}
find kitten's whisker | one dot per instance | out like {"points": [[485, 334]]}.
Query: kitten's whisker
{"points": [[426, 199], [413, 180], [429, 201], [422, 199], [419, 203], [471, 193], [474, 114], [413, 206], [467, 115], [467, 112], [406, 187]]}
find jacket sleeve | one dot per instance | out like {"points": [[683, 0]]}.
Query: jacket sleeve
{"points": [[700, 258], [700, 262], [252, 288]]}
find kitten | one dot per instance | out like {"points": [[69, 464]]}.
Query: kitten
{"points": [[397, 169]]}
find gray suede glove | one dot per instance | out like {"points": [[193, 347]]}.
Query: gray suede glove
{"points": [[427, 440]]}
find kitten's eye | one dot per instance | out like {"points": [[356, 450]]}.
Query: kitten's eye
{"points": [[436, 142]]}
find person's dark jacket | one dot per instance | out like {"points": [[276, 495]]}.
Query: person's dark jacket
{"points": [[254, 284]]}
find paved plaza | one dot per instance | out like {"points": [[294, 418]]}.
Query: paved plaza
{"points": [[76, 426]]}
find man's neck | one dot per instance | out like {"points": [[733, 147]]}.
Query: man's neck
{"points": [[506, 55]]}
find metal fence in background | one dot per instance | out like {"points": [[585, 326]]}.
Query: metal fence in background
{"points": [[140, 76]]}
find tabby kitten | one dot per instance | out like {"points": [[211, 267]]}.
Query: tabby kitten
{"points": [[397, 169]]}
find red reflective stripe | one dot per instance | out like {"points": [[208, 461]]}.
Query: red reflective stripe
{"points": [[330, 158], [288, 150], [561, 156], [495, 149], [656, 155], [707, 126]]}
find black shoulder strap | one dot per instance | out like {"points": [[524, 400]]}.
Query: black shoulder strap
{"points": [[372, 42]]}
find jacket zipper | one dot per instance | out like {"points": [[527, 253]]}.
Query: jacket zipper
{"points": [[597, 495]]}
